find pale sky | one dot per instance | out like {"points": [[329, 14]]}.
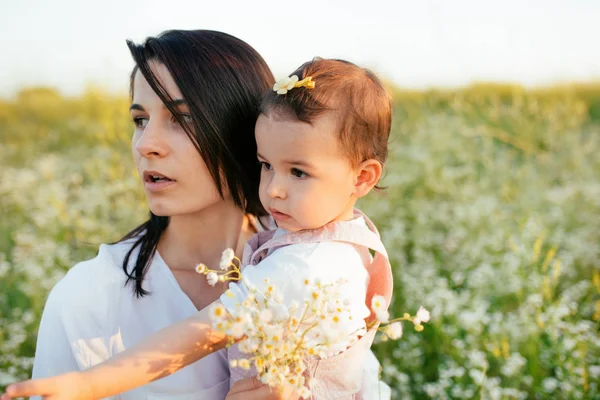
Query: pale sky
{"points": [[70, 44]]}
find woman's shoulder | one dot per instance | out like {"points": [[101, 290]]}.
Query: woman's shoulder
{"points": [[92, 285], [104, 269]]}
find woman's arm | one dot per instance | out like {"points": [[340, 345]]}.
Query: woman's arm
{"points": [[162, 354]]}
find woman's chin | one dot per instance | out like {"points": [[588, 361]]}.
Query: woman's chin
{"points": [[160, 209], [178, 206]]}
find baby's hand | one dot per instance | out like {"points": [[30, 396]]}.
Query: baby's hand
{"points": [[70, 386]]}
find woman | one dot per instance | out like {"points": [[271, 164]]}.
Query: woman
{"points": [[194, 105]]}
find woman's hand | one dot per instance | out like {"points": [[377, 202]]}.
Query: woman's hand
{"points": [[254, 389], [70, 386]]}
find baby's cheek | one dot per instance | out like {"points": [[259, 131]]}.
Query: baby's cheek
{"points": [[321, 212], [306, 211]]}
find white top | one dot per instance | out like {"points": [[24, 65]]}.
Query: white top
{"points": [[91, 315], [286, 269]]}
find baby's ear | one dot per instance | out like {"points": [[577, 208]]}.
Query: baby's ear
{"points": [[368, 174]]}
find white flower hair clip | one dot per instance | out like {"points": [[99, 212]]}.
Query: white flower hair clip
{"points": [[288, 83]]}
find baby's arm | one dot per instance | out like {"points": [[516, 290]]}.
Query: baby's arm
{"points": [[161, 354]]}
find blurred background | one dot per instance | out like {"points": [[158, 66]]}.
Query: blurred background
{"points": [[492, 212]]}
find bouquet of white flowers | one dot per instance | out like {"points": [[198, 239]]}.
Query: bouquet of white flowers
{"points": [[278, 338]]}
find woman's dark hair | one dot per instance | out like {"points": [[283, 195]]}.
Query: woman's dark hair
{"points": [[222, 80]]}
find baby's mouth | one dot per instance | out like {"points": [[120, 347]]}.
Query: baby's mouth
{"points": [[278, 215]]}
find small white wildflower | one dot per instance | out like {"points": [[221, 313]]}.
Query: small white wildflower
{"points": [[550, 384], [594, 371], [266, 316], [382, 316], [270, 377], [477, 376], [280, 312], [275, 335], [378, 303], [237, 330], [200, 268], [226, 258], [422, 315], [249, 345], [218, 312], [212, 278], [304, 392], [394, 330]]}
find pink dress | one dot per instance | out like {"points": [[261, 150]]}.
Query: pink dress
{"points": [[340, 376]]}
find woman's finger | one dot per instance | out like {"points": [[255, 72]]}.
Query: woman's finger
{"points": [[32, 387], [244, 385], [251, 389], [262, 393]]}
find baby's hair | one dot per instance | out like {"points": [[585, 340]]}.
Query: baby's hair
{"points": [[356, 96]]}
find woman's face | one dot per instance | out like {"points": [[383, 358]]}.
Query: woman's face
{"points": [[175, 178]]}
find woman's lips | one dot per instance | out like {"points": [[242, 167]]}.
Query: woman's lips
{"points": [[157, 186], [156, 181]]}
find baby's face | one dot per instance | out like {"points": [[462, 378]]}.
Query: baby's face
{"points": [[306, 181]]}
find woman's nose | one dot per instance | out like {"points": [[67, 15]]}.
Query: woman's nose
{"points": [[150, 142]]}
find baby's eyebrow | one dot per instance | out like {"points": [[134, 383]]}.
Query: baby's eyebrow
{"points": [[298, 162]]}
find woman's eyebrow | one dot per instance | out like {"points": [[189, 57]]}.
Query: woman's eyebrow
{"points": [[178, 102], [136, 107], [174, 104]]}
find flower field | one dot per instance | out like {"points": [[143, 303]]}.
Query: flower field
{"points": [[491, 216]]}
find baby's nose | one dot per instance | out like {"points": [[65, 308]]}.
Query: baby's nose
{"points": [[276, 189]]}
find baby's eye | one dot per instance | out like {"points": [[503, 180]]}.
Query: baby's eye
{"points": [[266, 166], [299, 173], [140, 122]]}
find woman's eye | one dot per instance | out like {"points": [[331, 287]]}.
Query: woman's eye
{"points": [[266, 166], [299, 173], [140, 122], [187, 118]]}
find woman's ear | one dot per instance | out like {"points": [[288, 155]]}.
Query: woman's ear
{"points": [[368, 174]]}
